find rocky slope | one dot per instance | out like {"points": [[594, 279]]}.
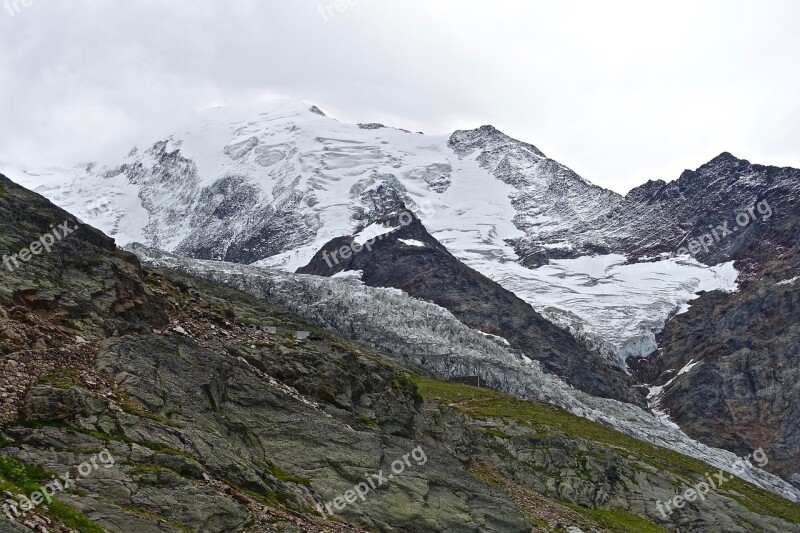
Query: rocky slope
{"points": [[430, 336], [214, 426], [666, 217], [743, 347]]}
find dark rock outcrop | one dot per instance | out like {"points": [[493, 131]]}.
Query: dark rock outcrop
{"points": [[431, 273], [743, 392]]}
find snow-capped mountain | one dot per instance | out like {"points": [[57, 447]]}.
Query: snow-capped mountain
{"points": [[273, 187]]}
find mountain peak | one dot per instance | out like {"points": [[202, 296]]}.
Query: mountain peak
{"points": [[725, 157], [486, 136]]}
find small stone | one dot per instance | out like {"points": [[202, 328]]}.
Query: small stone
{"points": [[178, 329], [79, 339]]}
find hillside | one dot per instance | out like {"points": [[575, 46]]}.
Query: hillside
{"points": [[205, 417]]}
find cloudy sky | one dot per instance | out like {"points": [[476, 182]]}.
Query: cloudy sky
{"points": [[619, 91]]}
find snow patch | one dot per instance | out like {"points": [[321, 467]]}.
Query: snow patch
{"points": [[499, 339], [372, 233], [349, 274], [617, 307]]}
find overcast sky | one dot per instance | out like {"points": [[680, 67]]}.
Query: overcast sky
{"points": [[621, 92]]}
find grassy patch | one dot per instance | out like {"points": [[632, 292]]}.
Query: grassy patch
{"points": [[268, 498], [29, 423], [497, 433], [284, 476], [620, 521], [402, 381], [21, 474], [367, 421], [546, 419], [133, 408], [21, 478], [61, 378], [150, 515]]}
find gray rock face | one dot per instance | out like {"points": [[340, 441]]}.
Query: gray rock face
{"points": [[544, 190], [261, 423], [745, 374], [215, 420], [742, 393], [663, 217], [428, 335]]}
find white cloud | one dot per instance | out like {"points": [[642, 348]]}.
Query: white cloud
{"points": [[621, 91]]}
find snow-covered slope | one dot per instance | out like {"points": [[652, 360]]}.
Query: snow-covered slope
{"points": [[615, 306], [272, 187]]}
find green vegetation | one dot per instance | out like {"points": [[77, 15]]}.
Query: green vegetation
{"points": [[131, 407], [107, 437], [20, 478], [547, 420], [497, 433], [29, 423], [155, 475], [620, 521], [368, 421], [284, 476], [61, 378], [270, 498], [23, 475], [402, 381], [150, 515]]}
